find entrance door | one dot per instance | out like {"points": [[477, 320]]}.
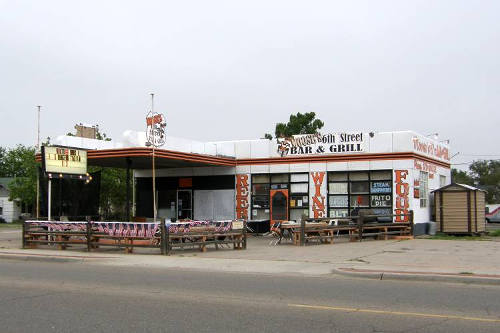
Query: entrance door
{"points": [[279, 206], [184, 204]]}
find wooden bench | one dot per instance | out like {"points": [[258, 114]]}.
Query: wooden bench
{"points": [[382, 230], [61, 238], [201, 239]]}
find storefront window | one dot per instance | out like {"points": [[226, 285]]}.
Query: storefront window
{"points": [[353, 176], [260, 179], [381, 186], [260, 189], [298, 214], [363, 190], [360, 187], [339, 201], [260, 201], [299, 195], [297, 185], [337, 176], [360, 201], [299, 178], [337, 188], [299, 201], [260, 214], [299, 188], [381, 200], [380, 175], [260, 197], [279, 178], [335, 213]]}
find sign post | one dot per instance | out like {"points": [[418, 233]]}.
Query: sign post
{"points": [[49, 199], [66, 162], [155, 134]]}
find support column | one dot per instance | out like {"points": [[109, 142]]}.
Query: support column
{"points": [[129, 163], [49, 199]]}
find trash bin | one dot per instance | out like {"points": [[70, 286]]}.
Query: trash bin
{"points": [[432, 228]]}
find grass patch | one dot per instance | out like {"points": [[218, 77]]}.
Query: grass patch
{"points": [[441, 236], [495, 233], [13, 225]]}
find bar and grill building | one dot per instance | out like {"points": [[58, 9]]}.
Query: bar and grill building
{"points": [[316, 176]]}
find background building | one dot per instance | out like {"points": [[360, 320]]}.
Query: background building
{"points": [[9, 210]]}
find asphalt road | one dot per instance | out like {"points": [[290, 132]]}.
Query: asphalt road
{"points": [[80, 297]]}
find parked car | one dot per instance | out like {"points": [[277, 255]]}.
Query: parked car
{"points": [[493, 213]]}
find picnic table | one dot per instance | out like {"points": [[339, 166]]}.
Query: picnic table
{"points": [[325, 232]]}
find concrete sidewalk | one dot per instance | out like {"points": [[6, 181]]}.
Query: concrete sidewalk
{"points": [[418, 259]]}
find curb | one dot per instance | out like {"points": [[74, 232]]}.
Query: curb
{"points": [[47, 257], [412, 276], [23, 257]]}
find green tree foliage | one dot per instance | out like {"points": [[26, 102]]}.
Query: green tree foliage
{"points": [[461, 177], [19, 162], [484, 174], [101, 136], [16, 162], [298, 124], [487, 175], [112, 200], [3, 153]]}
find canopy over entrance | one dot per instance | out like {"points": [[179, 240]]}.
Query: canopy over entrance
{"points": [[140, 158]]}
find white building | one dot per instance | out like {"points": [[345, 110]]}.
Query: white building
{"points": [[329, 175], [9, 210]]}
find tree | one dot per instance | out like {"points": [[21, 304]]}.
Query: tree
{"points": [[3, 153], [298, 124], [19, 162], [461, 177], [112, 199], [101, 136], [486, 175], [16, 162]]}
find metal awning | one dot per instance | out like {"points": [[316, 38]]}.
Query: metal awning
{"points": [[141, 158]]}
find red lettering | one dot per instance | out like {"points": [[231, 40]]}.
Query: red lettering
{"points": [[402, 191], [242, 192], [318, 200]]}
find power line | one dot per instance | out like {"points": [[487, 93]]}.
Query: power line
{"points": [[464, 163], [479, 154]]}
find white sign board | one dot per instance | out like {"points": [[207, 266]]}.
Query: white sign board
{"points": [[64, 160], [319, 144]]}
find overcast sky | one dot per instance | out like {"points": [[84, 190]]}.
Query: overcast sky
{"points": [[224, 70]]}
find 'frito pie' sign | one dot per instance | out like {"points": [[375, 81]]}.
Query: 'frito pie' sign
{"points": [[332, 143]]}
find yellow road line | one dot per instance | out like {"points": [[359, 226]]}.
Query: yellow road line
{"points": [[398, 313]]}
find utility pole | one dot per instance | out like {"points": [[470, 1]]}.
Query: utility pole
{"points": [[38, 129], [37, 170]]}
